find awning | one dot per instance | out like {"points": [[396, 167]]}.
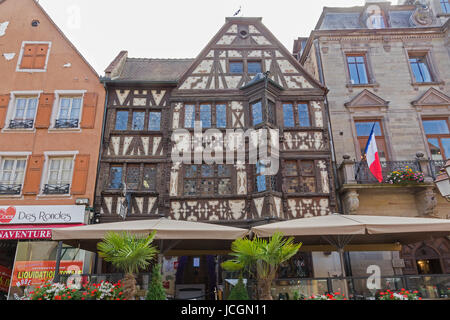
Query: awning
{"points": [[30, 231]]}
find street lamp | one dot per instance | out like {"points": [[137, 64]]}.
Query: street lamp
{"points": [[443, 181]]}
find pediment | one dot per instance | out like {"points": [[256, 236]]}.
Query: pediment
{"points": [[244, 39], [367, 99], [432, 97]]}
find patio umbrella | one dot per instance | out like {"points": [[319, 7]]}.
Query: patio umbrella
{"points": [[341, 230], [172, 234]]}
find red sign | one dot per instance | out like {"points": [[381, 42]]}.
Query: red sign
{"points": [[30, 273], [6, 215], [25, 234], [5, 278]]}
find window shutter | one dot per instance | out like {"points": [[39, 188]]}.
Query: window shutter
{"points": [[4, 102], [29, 53], [40, 56], [33, 175], [89, 110], [80, 174], [44, 110]]}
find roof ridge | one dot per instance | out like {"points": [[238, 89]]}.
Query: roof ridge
{"points": [[161, 59]]}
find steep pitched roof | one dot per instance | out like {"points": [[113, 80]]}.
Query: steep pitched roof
{"points": [[36, 3]]}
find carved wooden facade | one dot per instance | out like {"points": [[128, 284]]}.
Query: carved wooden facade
{"points": [[219, 88]]}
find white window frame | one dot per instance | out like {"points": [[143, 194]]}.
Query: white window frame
{"points": [[46, 170], [19, 62], [14, 95], [16, 156], [59, 95]]}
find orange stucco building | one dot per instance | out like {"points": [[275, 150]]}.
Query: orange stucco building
{"points": [[51, 116], [51, 111]]}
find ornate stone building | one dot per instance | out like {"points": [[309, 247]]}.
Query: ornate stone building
{"points": [[387, 66], [223, 88]]}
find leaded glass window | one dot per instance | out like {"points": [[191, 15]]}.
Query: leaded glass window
{"points": [[288, 114], [207, 180], [299, 176], [189, 116], [154, 122], [121, 120], [205, 115], [115, 177], [138, 121], [296, 115], [221, 116], [257, 113], [133, 175], [149, 180]]}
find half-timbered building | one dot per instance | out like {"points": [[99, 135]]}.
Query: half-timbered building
{"points": [[244, 79]]}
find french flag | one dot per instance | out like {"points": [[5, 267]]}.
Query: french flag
{"points": [[373, 161]]}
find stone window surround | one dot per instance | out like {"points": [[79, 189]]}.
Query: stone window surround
{"points": [[59, 94], [12, 109], [349, 50], [427, 51], [19, 61], [430, 116], [385, 127]]}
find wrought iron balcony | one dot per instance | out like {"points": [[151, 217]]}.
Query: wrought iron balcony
{"points": [[21, 124], [56, 188], [66, 123], [10, 189], [364, 176]]}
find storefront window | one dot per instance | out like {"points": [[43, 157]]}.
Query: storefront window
{"points": [[35, 264]]}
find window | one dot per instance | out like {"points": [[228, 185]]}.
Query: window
{"points": [[207, 180], [24, 113], [138, 121], [376, 20], [363, 129], [189, 116], [236, 67], [115, 177], [438, 136], [221, 116], [59, 176], [254, 67], [121, 120], [296, 115], [205, 115], [12, 172], [209, 115], [257, 113], [133, 175], [357, 68], [299, 177], [154, 122], [34, 56], [149, 180], [261, 183], [445, 5], [69, 112], [420, 68]]}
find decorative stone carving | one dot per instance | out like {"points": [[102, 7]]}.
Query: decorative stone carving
{"points": [[351, 202], [426, 202]]}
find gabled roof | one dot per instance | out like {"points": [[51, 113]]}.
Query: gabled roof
{"points": [[35, 2], [209, 70]]}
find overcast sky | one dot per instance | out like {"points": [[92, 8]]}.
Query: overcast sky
{"points": [[100, 29]]}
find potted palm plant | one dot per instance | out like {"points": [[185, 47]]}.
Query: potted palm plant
{"points": [[261, 258], [129, 253]]}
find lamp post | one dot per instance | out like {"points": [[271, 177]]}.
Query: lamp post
{"points": [[443, 181]]}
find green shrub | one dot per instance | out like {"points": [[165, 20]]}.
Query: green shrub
{"points": [[155, 289], [239, 291]]}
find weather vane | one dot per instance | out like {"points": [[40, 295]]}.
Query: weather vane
{"points": [[237, 12]]}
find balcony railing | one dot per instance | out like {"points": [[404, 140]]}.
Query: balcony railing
{"points": [[10, 189], [363, 175], [66, 123], [56, 189], [21, 124]]}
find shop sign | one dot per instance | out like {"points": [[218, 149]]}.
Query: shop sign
{"points": [[41, 214], [5, 278], [35, 273], [25, 234]]}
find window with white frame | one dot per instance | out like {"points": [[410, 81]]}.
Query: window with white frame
{"points": [[68, 112], [24, 112], [12, 172], [59, 176]]}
